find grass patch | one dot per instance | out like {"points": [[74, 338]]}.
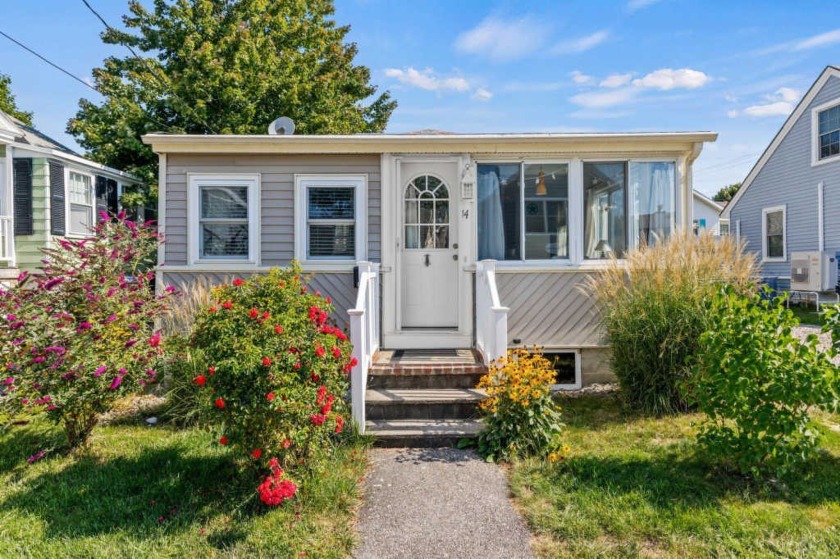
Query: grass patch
{"points": [[807, 314], [160, 492], [633, 486]]}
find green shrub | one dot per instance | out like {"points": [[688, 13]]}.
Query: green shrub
{"points": [[80, 334], [520, 417], [277, 370], [651, 310], [755, 381]]}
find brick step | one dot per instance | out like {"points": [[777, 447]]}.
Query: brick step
{"points": [[422, 433], [447, 403], [452, 380], [441, 368]]}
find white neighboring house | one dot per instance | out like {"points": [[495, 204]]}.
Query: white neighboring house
{"points": [[707, 214]]}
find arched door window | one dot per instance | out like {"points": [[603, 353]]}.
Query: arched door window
{"points": [[426, 213]]}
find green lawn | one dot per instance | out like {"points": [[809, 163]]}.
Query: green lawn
{"points": [[808, 314], [635, 487], [158, 492]]}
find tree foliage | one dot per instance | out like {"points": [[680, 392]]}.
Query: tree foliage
{"points": [[227, 67], [7, 101], [726, 193]]}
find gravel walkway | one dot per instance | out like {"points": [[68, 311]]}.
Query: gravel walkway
{"points": [[825, 339], [438, 503]]}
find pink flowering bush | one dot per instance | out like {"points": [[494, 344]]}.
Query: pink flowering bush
{"points": [[80, 334], [277, 372]]}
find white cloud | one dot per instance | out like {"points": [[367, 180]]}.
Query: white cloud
{"points": [[601, 99], [534, 86], [581, 79], [780, 103], [636, 5], [504, 39], [581, 44], [427, 79], [482, 94], [616, 80], [821, 40], [666, 78]]}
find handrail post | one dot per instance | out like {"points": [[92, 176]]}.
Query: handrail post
{"points": [[364, 335]]}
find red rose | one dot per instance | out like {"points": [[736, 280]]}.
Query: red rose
{"points": [[220, 403], [278, 329], [200, 380], [322, 394], [266, 315], [253, 313], [270, 396], [212, 370], [297, 365], [287, 443], [266, 361], [227, 305], [314, 377], [336, 352], [213, 309], [317, 419], [237, 282], [320, 352], [329, 300], [282, 284], [257, 453], [339, 424], [223, 440]]}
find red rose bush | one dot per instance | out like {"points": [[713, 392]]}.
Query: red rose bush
{"points": [[278, 373], [80, 333]]}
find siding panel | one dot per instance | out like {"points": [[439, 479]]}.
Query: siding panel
{"points": [[276, 199], [789, 179]]}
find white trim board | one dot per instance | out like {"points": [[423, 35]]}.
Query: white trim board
{"points": [[829, 72]]}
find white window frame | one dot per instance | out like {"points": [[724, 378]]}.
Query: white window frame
{"points": [[305, 181], [724, 221], [68, 205], [194, 183], [815, 134], [764, 255], [578, 384]]}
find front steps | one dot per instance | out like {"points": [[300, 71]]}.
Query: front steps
{"points": [[423, 398]]}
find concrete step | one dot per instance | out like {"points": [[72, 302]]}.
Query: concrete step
{"points": [[447, 403], [425, 433]]}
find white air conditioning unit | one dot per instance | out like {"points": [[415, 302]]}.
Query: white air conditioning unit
{"points": [[813, 271]]}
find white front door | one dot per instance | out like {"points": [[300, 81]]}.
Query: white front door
{"points": [[429, 250]]}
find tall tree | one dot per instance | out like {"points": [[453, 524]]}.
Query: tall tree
{"points": [[227, 67], [726, 193], [7, 101]]}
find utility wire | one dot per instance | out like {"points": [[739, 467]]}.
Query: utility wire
{"points": [[152, 71], [74, 76]]}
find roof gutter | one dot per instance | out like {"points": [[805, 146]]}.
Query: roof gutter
{"points": [[75, 159]]}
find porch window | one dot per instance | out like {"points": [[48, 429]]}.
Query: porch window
{"points": [[773, 228], [499, 219], [604, 219], [223, 213], [80, 190], [330, 218], [546, 211]]}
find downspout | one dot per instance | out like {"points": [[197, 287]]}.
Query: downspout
{"points": [[688, 203], [820, 217]]}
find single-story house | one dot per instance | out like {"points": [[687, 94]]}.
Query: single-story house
{"points": [[790, 201], [706, 214], [47, 191]]}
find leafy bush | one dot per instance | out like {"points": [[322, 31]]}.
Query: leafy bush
{"points": [[520, 417], [755, 381], [277, 370], [79, 334], [651, 309]]}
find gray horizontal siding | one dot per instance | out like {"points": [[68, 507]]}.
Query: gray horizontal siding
{"points": [[337, 286], [276, 199], [789, 179], [549, 309]]}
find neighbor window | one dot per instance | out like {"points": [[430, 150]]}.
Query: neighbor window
{"points": [[828, 134], [523, 211], [773, 233], [80, 189], [330, 217], [223, 211], [723, 226]]}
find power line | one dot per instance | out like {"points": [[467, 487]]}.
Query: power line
{"points": [[152, 71], [74, 76]]}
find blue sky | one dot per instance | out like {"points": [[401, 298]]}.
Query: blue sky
{"points": [[736, 68]]}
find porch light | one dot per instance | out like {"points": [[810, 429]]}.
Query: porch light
{"points": [[541, 188]]}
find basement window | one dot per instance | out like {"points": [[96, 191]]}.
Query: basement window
{"points": [[566, 365]]}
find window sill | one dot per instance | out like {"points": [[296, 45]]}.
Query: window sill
{"points": [[818, 162], [567, 266], [774, 260]]}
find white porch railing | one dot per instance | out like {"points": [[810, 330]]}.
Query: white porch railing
{"points": [[490, 315], [364, 334], [6, 239]]}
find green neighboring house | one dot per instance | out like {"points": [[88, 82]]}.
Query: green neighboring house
{"points": [[47, 191]]}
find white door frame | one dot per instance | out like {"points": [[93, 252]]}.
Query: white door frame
{"points": [[393, 336]]}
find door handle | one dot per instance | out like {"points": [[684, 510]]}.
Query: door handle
{"points": [[428, 263]]}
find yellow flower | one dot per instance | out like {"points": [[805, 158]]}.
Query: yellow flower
{"points": [[566, 448]]}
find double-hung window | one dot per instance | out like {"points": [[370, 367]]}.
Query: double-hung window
{"points": [[80, 189], [828, 132], [224, 217], [330, 218], [773, 231]]}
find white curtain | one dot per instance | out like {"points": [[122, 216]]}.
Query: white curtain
{"points": [[592, 235], [652, 196], [491, 233]]}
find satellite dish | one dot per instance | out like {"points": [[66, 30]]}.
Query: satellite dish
{"points": [[283, 126]]}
